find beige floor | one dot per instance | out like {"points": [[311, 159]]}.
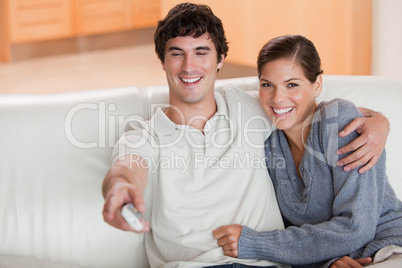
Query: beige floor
{"points": [[107, 68]]}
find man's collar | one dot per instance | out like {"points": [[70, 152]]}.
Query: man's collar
{"points": [[163, 125], [221, 106]]}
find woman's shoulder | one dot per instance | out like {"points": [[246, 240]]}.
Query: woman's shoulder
{"points": [[338, 110], [336, 105]]}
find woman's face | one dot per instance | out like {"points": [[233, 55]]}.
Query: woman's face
{"points": [[286, 95]]}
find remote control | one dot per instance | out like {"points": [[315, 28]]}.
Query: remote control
{"points": [[133, 217]]}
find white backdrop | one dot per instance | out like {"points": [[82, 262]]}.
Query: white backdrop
{"points": [[387, 38]]}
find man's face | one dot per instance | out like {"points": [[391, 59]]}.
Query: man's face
{"points": [[191, 69]]}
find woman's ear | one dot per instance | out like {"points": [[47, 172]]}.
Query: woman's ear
{"points": [[318, 86]]}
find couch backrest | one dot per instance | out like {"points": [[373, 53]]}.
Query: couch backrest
{"points": [[55, 152]]}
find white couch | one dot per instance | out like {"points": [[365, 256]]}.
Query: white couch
{"points": [[55, 150]]}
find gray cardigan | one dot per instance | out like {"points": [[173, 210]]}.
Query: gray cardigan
{"points": [[329, 213]]}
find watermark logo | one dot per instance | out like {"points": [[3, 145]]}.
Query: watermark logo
{"points": [[109, 127], [182, 164], [232, 132], [235, 131]]}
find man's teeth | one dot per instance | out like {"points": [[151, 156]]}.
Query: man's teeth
{"points": [[283, 111], [190, 80]]}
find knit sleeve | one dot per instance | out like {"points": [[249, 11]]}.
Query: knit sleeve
{"points": [[355, 211]]}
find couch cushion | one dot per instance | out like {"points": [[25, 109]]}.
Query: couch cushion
{"points": [[21, 262], [55, 152]]}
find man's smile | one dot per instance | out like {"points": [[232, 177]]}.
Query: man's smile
{"points": [[190, 80]]}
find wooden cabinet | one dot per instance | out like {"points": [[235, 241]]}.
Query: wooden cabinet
{"points": [[32, 20], [5, 53], [99, 16], [24, 21], [145, 13], [340, 29], [103, 16]]}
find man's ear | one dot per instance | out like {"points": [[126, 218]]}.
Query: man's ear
{"points": [[163, 65], [220, 64], [318, 86]]}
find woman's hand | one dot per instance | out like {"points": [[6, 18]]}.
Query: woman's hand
{"points": [[368, 147], [228, 238], [347, 262]]}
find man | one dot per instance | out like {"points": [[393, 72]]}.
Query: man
{"points": [[200, 163]]}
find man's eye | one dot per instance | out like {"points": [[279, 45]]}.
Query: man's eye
{"points": [[292, 85], [201, 53], [177, 54]]}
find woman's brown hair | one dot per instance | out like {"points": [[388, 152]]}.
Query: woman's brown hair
{"points": [[295, 47]]}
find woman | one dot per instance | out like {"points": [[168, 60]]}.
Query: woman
{"points": [[328, 212]]}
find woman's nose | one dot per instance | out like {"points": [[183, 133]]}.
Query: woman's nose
{"points": [[278, 95]]}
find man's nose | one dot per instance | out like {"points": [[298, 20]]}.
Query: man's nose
{"points": [[188, 64]]}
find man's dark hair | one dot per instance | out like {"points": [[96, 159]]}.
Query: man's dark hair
{"points": [[193, 20]]}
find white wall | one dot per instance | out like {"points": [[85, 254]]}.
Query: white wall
{"points": [[387, 38]]}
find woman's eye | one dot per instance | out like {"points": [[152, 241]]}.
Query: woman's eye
{"points": [[266, 85], [292, 85]]}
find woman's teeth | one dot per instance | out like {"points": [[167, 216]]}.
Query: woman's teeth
{"points": [[282, 111]]}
